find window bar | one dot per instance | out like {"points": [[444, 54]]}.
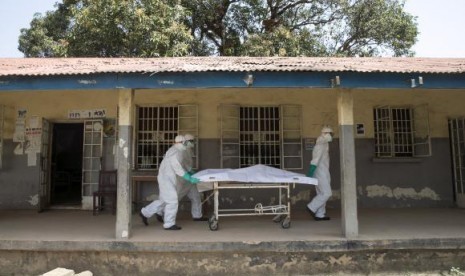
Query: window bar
{"points": [[153, 141], [278, 137], [144, 143], [408, 131], [404, 142], [379, 141], [266, 125], [385, 147], [269, 136], [398, 131], [249, 138], [377, 133], [156, 111], [148, 119], [147, 142], [174, 123], [273, 136], [258, 128], [410, 134], [389, 132], [252, 130], [460, 147], [243, 136], [269, 154], [261, 131]]}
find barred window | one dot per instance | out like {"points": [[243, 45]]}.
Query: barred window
{"points": [[401, 132], [259, 136], [267, 135], [157, 126]]}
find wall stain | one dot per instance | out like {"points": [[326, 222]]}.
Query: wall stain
{"points": [[33, 200], [401, 193], [343, 260]]}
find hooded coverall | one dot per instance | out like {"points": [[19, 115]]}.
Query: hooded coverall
{"points": [[320, 158], [186, 188], [167, 203]]}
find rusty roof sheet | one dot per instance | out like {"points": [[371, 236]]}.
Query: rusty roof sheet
{"points": [[80, 66]]}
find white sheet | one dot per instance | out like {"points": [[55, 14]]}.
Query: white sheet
{"points": [[253, 174]]}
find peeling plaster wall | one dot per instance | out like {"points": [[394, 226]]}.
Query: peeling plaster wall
{"points": [[19, 183], [424, 183]]}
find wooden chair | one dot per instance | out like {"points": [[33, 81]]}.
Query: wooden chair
{"points": [[106, 189]]}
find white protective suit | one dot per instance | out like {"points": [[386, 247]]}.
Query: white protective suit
{"points": [[167, 203], [187, 188], [320, 158]]}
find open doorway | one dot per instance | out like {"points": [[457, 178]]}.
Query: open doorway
{"points": [[66, 164]]}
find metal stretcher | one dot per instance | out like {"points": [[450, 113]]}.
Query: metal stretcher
{"points": [[281, 211], [254, 177]]}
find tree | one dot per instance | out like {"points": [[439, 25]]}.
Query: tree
{"points": [[108, 28], [301, 27], [149, 28]]}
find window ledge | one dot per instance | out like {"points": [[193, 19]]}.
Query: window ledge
{"points": [[397, 160]]}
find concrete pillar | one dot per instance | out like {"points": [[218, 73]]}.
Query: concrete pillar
{"points": [[349, 217], [124, 153]]}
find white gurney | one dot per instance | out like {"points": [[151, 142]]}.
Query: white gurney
{"points": [[254, 177]]}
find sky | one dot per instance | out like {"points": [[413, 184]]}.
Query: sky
{"points": [[439, 23]]}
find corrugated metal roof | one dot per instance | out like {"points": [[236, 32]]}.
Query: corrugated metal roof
{"points": [[79, 66]]}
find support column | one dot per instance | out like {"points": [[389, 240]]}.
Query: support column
{"points": [[349, 217], [124, 153]]}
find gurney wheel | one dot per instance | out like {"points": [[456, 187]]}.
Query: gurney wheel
{"points": [[213, 224], [286, 223], [278, 218]]}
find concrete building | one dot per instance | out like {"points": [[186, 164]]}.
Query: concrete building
{"points": [[399, 127]]}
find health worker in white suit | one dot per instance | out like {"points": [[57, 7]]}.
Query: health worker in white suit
{"points": [[319, 169], [185, 187], [170, 168]]}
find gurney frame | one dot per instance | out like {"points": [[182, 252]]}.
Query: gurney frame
{"points": [[282, 212]]}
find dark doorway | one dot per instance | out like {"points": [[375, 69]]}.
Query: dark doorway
{"points": [[66, 171]]}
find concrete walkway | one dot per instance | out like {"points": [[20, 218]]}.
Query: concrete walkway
{"points": [[390, 240], [375, 224]]}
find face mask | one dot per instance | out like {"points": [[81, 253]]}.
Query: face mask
{"points": [[328, 137], [190, 144], [180, 146]]}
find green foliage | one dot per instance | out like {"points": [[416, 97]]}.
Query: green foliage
{"points": [[110, 28], [150, 28]]}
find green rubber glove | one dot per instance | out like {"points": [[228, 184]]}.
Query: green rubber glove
{"points": [[191, 179], [191, 172], [311, 170]]}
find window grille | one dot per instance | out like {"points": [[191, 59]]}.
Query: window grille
{"points": [[399, 134], [269, 135], [157, 126], [259, 136]]}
